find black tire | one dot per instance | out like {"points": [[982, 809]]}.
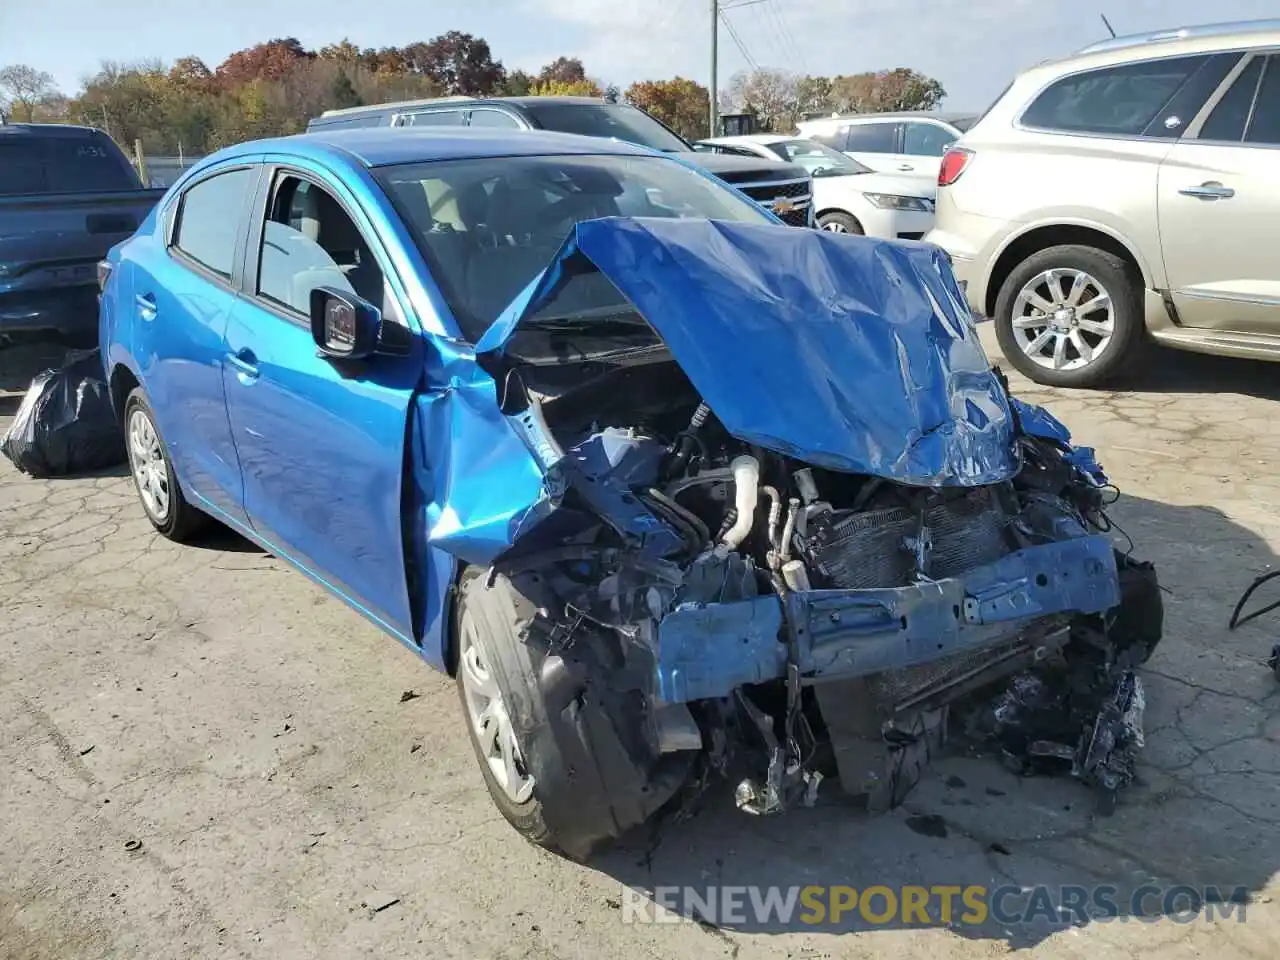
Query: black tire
{"points": [[181, 521], [847, 222], [589, 784], [1125, 289]]}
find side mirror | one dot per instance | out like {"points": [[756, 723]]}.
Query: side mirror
{"points": [[343, 326]]}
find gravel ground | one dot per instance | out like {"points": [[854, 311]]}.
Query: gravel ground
{"points": [[203, 755]]}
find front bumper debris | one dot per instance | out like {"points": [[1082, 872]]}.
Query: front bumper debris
{"points": [[705, 651]]}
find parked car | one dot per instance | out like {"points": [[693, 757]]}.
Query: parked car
{"points": [[1127, 191], [911, 143], [784, 189], [67, 194], [579, 424], [847, 196]]}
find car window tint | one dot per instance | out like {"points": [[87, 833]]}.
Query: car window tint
{"points": [[872, 138], [1170, 122], [1264, 126], [493, 118], [926, 140], [835, 139], [1228, 118], [1116, 100], [310, 242], [22, 160], [86, 165], [436, 118], [209, 221]]}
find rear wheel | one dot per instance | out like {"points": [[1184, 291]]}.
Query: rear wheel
{"points": [[153, 476], [1070, 316], [837, 222], [561, 752]]}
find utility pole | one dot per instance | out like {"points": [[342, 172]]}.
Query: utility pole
{"points": [[715, 63]]}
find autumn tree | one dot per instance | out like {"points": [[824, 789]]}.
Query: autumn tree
{"points": [[517, 83], [565, 70], [24, 88], [272, 60], [679, 103], [567, 88], [885, 91], [459, 62], [772, 95], [343, 92]]}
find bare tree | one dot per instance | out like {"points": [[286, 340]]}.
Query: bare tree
{"points": [[24, 88]]}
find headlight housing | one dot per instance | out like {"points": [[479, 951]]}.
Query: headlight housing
{"points": [[891, 201]]}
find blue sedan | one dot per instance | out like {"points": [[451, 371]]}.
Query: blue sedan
{"points": [[660, 481]]}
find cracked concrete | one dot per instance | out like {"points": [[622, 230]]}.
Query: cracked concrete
{"points": [[245, 729]]}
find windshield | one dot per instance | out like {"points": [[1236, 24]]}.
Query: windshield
{"points": [[615, 120], [488, 227], [964, 123], [817, 158]]}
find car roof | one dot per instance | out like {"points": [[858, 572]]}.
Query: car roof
{"points": [[67, 130], [386, 146], [451, 102], [761, 139], [946, 116]]}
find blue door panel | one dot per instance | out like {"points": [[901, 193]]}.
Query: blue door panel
{"points": [[322, 450], [180, 320]]}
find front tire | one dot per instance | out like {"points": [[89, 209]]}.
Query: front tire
{"points": [[837, 222], [1070, 316], [153, 477], [560, 751]]}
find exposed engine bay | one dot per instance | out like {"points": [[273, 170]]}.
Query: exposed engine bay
{"points": [[670, 533]]}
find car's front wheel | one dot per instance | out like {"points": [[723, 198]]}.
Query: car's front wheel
{"points": [[1070, 316], [562, 754], [153, 475], [837, 222]]}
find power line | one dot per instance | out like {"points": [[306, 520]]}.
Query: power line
{"points": [[774, 7], [737, 41]]}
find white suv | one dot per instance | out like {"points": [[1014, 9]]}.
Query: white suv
{"points": [[1130, 190], [902, 143]]}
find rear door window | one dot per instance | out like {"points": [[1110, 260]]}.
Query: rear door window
{"points": [[1228, 119], [435, 118], [873, 138], [209, 221], [1121, 100], [494, 118], [926, 139], [1264, 124]]}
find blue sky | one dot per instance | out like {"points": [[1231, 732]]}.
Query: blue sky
{"points": [[974, 46]]}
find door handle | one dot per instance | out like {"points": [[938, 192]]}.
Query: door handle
{"points": [[1209, 191], [905, 166], [146, 304], [244, 363]]}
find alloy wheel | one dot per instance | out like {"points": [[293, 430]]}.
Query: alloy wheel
{"points": [[147, 463], [490, 722], [1063, 319]]}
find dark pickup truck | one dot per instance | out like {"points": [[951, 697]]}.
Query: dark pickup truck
{"points": [[67, 195], [785, 189]]}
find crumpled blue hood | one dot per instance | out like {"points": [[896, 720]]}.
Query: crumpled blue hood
{"points": [[846, 352]]}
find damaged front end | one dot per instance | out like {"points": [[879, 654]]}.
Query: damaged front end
{"points": [[785, 513]]}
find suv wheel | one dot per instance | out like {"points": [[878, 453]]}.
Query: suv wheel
{"points": [[1070, 316]]}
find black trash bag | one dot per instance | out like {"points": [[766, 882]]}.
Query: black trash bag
{"points": [[66, 423]]}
